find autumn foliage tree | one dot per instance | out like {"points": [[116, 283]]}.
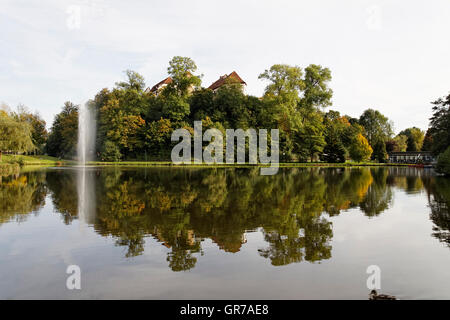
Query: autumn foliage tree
{"points": [[360, 149]]}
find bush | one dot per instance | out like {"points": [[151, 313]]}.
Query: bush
{"points": [[18, 161], [111, 152], [443, 163]]}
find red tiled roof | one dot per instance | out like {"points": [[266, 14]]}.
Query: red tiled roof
{"points": [[159, 84], [232, 77]]}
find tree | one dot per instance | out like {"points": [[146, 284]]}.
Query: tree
{"points": [[379, 151], [14, 135], [310, 142], [230, 106], [285, 82], [334, 151], [309, 138], [158, 137], [415, 138], [376, 126], [39, 134], [135, 81], [397, 144], [443, 164], [338, 133], [63, 137], [440, 125], [201, 104], [110, 151], [280, 99], [316, 91], [120, 127], [294, 102], [427, 141], [182, 69], [360, 150]]}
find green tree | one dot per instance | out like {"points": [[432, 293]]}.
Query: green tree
{"points": [[376, 126], [63, 137], [280, 99], [310, 139], [427, 141], [379, 151], [14, 135], [440, 125], [443, 164], [230, 106], [316, 92], [181, 70], [39, 134], [135, 81], [415, 138], [285, 82], [202, 105], [337, 135], [401, 143]]}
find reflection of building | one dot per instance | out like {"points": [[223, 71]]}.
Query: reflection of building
{"points": [[227, 78], [411, 157]]}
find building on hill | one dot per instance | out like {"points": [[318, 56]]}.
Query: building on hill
{"points": [[230, 78], [156, 89]]}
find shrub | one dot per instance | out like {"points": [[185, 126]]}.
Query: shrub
{"points": [[111, 152]]}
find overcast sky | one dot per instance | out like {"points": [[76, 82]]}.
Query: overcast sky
{"points": [[391, 55]]}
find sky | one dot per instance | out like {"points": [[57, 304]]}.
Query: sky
{"points": [[391, 55]]}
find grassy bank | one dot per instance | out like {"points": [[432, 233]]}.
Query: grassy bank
{"points": [[42, 160], [204, 165], [33, 160]]}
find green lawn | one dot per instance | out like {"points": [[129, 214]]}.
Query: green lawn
{"points": [[32, 160], [204, 165], [52, 161]]}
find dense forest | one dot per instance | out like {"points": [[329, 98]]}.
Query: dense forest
{"points": [[135, 123]]}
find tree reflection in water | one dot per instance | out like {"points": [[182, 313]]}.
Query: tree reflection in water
{"points": [[182, 207]]}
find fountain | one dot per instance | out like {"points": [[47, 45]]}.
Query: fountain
{"points": [[85, 152], [86, 134]]}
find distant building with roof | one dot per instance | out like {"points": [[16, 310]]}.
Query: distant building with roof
{"points": [[411, 157], [156, 89], [227, 78]]}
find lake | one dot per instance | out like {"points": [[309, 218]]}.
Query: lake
{"points": [[224, 233]]}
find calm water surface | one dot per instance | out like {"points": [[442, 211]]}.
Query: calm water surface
{"points": [[224, 233]]}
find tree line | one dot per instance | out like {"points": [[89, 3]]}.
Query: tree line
{"points": [[136, 124]]}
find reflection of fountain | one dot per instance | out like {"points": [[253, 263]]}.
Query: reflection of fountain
{"points": [[86, 195], [86, 151]]}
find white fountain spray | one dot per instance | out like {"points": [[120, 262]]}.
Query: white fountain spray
{"points": [[86, 134], [85, 152]]}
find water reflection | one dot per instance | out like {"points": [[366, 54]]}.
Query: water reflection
{"points": [[181, 208]]}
